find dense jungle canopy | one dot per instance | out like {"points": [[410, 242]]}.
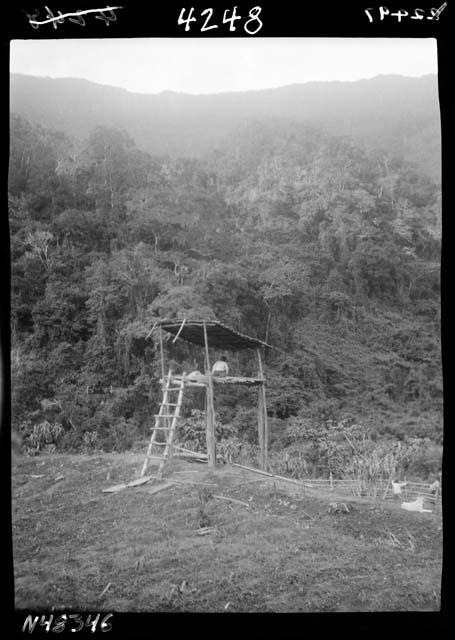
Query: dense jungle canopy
{"points": [[322, 244]]}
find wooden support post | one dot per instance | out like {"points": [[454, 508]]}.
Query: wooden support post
{"points": [[210, 408], [162, 354], [261, 428], [265, 450], [166, 421]]}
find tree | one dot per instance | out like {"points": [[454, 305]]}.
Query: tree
{"points": [[317, 245]]}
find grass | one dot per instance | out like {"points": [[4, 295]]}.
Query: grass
{"points": [[283, 553]]}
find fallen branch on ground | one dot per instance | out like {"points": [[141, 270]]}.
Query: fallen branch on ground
{"points": [[117, 487], [124, 485], [205, 484], [105, 589], [263, 473], [270, 475], [199, 454], [205, 530], [195, 454], [195, 458], [189, 471], [160, 487], [244, 504]]}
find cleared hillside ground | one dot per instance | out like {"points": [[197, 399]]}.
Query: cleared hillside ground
{"points": [[283, 553]]}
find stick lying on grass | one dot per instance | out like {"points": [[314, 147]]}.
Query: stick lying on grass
{"points": [[199, 473], [133, 483], [160, 487], [270, 475], [196, 455], [189, 482], [195, 458], [189, 452], [244, 504], [117, 487], [105, 589], [205, 530], [307, 514]]}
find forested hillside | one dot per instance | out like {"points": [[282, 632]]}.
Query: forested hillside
{"points": [[394, 113], [325, 247]]}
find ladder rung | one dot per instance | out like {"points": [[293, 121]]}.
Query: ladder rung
{"points": [[172, 417]]}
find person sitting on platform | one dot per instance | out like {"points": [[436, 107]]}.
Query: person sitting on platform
{"points": [[220, 369]]}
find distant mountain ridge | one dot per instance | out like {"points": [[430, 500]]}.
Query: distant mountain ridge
{"points": [[396, 113]]}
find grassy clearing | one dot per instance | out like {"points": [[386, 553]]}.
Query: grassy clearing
{"points": [[283, 553]]}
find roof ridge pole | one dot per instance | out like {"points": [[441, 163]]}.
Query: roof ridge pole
{"points": [[210, 409]]}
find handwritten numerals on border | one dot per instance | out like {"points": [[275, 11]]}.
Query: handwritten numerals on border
{"points": [[78, 20], [381, 12], [208, 20], [105, 13], [107, 18], [73, 622]]}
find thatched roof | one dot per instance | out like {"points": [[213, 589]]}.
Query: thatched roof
{"points": [[219, 335]]}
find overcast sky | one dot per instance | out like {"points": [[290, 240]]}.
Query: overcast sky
{"points": [[151, 65]]}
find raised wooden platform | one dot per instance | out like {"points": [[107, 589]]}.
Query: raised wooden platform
{"points": [[202, 381]]}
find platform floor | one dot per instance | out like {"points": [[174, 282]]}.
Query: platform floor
{"points": [[202, 381]]}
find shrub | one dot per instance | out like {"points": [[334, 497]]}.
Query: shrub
{"points": [[205, 511], [388, 460], [30, 381], [338, 303], [292, 463], [234, 449], [120, 435], [71, 440], [44, 435], [424, 459], [277, 433], [245, 424], [347, 449], [298, 429], [191, 431], [90, 441], [133, 401]]}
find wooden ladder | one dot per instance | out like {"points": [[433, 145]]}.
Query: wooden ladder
{"points": [[162, 419]]}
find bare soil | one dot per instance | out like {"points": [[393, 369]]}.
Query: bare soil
{"points": [[285, 552]]}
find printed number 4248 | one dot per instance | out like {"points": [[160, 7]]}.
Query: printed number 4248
{"points": [[251, 26]]}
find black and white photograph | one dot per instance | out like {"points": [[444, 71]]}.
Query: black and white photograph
{"points": [[225, 320]]}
